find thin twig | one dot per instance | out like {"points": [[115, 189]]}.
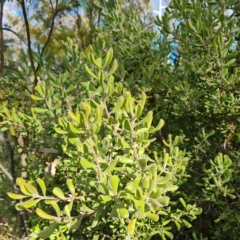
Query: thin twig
{"points": [[2, 40], [30, 52], [50, 31], [5, 171]]}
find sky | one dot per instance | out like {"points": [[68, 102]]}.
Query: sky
{"points": [[156, 4]]}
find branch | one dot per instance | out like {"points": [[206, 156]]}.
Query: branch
{"points": [[10, 30], [30, 53], [50, 31], [5, 171], [2, 40]]}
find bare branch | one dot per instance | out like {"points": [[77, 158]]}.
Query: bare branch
{"points": [[2, 40], [5, 171], [30, 53]]}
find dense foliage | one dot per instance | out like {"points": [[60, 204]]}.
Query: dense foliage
{"points": [[133, 137]]}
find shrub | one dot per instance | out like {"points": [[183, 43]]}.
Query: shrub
{"points": [[115, 185]]}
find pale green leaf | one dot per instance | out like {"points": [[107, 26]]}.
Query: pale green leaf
{"points": [[131, 226], [36, 98], [44, 215], [59, 193], [86, 164], [28, 204], [114, 182], [71, 186], [16, 196], [114, 67], [108, 58], [68, 209], [152, 216], [89, 71], [42, 185]]}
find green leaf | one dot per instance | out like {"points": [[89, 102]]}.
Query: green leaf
{"points": [[54, 204], [164, 201], [41, 88], [165, 179], [125, 160], [110, 168], [155, 204], [28, 204], [127, 125], [24, 190], [31, 189], [86, 164], [113, 182], [36, 98], [152, 216], [44, 215], [147, 120], [74, 129], [131, 226], [114, 67], [73, 138], [59, 193], [189, 22], [101, 78], [123, 212], [68, 209], [122, 143], [169, 234], [73, 117], [177, 225], [108, 58], [60, 131], [20, 181], [46, 233], [140, 213], [160, 125], [71, 186], [181, 200], [16, 196], [118, 104], [42, 185], [97, 62], [186, 224], [143, 100], [105, 199], [40, 110], [89, 71], [143, 163], [76, 224], [138, 111]]}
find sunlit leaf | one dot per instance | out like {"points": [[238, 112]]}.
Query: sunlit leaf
{"points": [[36, 98], [44, 215], [16, 196], [131, 226], [59, 193], [28, 204], [114, 67], [152, 216], [68, 209], [54, 204], [108, 58], [89, 71], [42, 185], [86, 164], [113, 182], [71, 186]]}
